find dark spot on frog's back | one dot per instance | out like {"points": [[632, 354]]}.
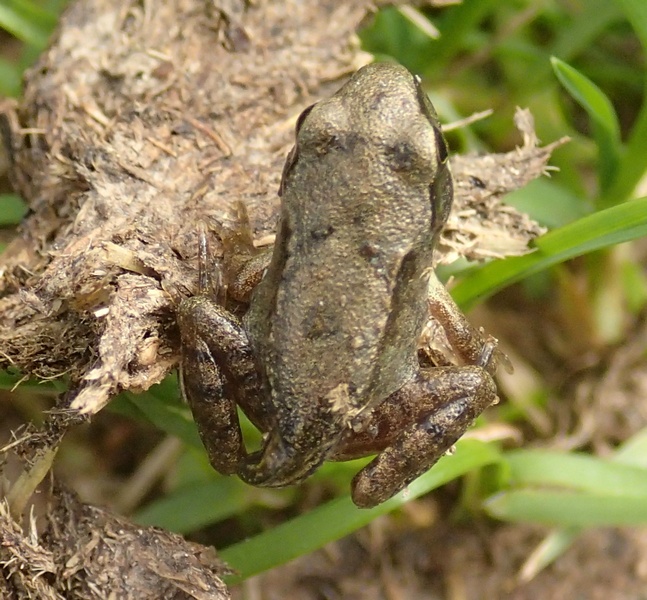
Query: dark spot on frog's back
{"points": [[321, 233], [377, 100], [401, 156], [369, 251], [341, 141], [363, 212], [320, 321]]}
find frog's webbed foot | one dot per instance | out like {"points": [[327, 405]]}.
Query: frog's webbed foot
{"points": [[414, 427], [278, 464]]}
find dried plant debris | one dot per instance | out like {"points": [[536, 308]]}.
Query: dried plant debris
{"points": [[136, 125], [87, 553], [481, 226], [26, 567]]}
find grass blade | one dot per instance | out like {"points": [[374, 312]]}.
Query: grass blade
{"points": [[340, 517], [636, 13], [576, 472], [571, 490], [632, 452], [167, 415], [27, 22], [12, 208], [602, 114], [605, 228], [568, 509], [198, 505], [9, 79]]}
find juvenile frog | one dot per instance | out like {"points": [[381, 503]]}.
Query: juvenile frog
{"points": [[325, 360]]}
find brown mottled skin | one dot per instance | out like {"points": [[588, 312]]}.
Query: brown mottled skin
{"points": [[325, 360]]}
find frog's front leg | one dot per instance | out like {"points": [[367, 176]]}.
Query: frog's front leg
{"points": [[414, 427], [465, 340]]}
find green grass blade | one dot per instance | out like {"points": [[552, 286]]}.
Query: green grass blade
{"points": [[576, 472], [605, 228], [636, 13], [634, 162], [27, 22], [340, 517], [571, 490], [548, 203], [632, 452], [12, 209], [568, 509], [197, 505], [589, 96], [594, 16], [549, 550], [633, 166], [456, 26], [602, 114], [10, 76], [11, 381], [169, 416]]}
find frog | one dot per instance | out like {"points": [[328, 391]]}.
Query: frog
{"points": [[324, 359]]}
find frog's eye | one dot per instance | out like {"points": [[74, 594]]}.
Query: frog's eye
{"points": [[441, 194], [294, 153], [441, 146], [302, 117], [287, 167]]}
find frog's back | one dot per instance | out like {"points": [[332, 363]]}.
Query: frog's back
{"points": [[337, 318]]}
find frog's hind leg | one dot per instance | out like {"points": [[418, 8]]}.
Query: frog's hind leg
{"points": [[414, 427], [217, 372]]}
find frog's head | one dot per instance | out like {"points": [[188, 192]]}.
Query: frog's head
{"points": [[379, 140]]}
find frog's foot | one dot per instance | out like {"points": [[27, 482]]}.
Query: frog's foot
{"points": [[278, 464], [414, 427]]}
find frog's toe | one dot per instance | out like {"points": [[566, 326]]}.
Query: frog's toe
{"points": [[277, 465]]}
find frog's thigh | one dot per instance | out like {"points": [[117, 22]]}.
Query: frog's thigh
{"points": [[210, 335], [439, 404]]}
